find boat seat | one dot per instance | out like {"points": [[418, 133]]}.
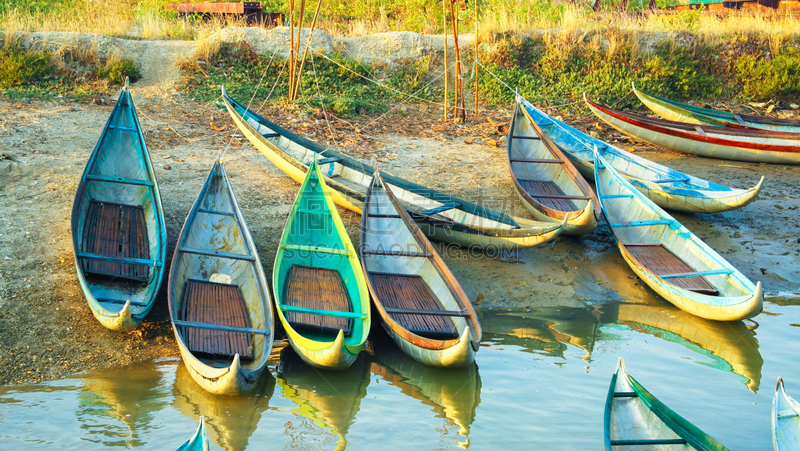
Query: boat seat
{"points": [[549, 194], [316, 291], [408, 295], [439, 209], [661, 261], [220, 304], [118, 231]]}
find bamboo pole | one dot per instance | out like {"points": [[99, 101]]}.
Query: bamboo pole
{"points": [[305, 51], [444, 32], [291, 48], [459, 112], [475, 64]]}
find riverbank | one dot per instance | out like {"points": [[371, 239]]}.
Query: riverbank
{"points": [[48, 331]]}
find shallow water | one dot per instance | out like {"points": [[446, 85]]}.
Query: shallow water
{"points": [[540, 381]]}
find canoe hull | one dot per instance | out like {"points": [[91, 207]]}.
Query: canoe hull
{"points": [[477, 228], [757, 146], [785, 420], [119, 172], [665, 186]]}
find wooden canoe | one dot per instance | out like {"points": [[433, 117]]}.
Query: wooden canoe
{"points": [[441, 216], [635, 420], [421, 304], [670, 189], [669, 258], [118, 234], [758, 146], [785, 420], [691, 114], [219, 300], [199, 441], [322, 298], [548, 184]]}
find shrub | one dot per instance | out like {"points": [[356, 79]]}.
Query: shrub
{"points": [[766, 78], [117, 69], [19, 65]]}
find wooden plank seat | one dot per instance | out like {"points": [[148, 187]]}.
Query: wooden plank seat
{"points": [[549, 194], [220, 304], [315, 298], [663, 262], [117, 231], [401, 295]]}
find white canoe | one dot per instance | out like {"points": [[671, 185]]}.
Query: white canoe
{"points": [[785, 420]]}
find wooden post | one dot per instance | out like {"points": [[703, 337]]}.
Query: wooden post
{"points": [[305, 51], [444, 32], [459, 111], [475, 64]]}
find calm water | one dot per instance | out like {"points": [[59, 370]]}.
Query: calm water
{"points": [[540, 381]]}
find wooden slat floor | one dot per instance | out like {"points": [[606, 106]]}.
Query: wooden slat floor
{"points": [[116, 230], [534, 187], [661, 260], [320, 289], [218, 304], [411, 291]]}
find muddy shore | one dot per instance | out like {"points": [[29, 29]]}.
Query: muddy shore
{"points": [[48, 332]]}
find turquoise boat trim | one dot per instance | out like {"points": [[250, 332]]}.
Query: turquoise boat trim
{"points": [[338, 314]]}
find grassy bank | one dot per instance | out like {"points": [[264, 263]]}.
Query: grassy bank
{"points": [[739, 58]]}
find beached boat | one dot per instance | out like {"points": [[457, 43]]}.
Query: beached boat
{"points": [[118, 234], [219, 300], [759, 146], [199, 441], [635, 420], [785, 420], [669, 258], [670, 189], [421, 304], [441, 216], [322, 298], [692, 114], [548, 184]]}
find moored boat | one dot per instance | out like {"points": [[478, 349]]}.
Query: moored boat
{"points": [[219, 301], [692, 114], [670, 189], [199, 441], [421, 304], [758, 146], [669, 258], [118, 234], [321, 295], [548, 184], [635, 420], [785, 420], [441, 216]]}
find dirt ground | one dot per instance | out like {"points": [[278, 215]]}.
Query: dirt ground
{"points": [[47, 330]]}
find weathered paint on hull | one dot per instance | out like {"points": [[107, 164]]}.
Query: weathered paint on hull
{"points": [[666, 187], [707, 143], [578, 223], [459, 355], [695, 303], [230, 380], [336, 356]]}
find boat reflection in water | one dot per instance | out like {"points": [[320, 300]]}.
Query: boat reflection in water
{"points": [[730, 345], [452, 393], [230, 420], [133, 397], [327, 401]]}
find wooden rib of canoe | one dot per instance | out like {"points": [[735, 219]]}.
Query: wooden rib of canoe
{"points": [[758, 146], [669, 258], [321, 294], [636, 420], [441, 216], [219, 300], [666, 187], [785, 420], [118, 234], [691, 114], [548, 184], [199, 441], [421, 304]]}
